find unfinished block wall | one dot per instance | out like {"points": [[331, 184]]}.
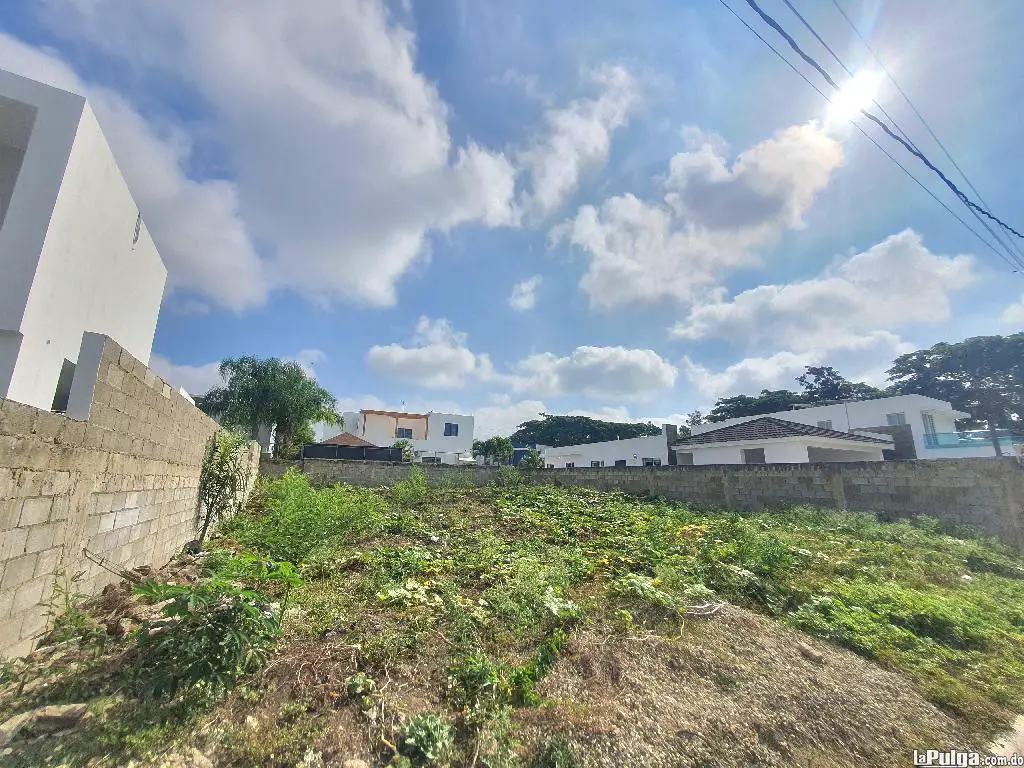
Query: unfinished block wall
{"points": [[120, 483]]}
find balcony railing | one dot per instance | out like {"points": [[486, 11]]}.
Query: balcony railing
{"points": [[975, 438]]}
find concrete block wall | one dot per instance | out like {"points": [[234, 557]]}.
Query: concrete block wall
{"points": [[986, 493], [121, 484]]}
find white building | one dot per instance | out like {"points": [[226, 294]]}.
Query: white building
{"points": [[439, 438], [767, 440], [75, 254], [931, 423], [652, 451]]}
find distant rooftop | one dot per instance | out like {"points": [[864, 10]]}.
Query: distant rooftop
{"points": [[769, 428]]}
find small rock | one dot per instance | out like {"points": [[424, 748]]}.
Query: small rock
{"points": [[56, 717], [434, 539], [810, 654], [199, 760], [117, 627], [10, 728], [355, 763], [143, 570], [251, 723], [966, 579]]}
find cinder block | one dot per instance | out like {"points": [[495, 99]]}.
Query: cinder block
{"points": [[31, 593], [17, 419], [126, 517], [12, 543], [48, 561], [19, 570], [107, 521], [33, 624], [42, 537], [35, 511]]}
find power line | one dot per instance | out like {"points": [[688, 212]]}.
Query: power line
{"points": [[840, 62], [868, 136], [913, 150], [1014, 251], [1013, 245]]}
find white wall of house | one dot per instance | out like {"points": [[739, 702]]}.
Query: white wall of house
{"points": [[846, 417], [74, 253], [786, 450], [633, 450]]}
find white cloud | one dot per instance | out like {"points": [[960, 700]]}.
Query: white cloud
{"points": [[438, 358], [308, 359], [595, 372], [712, 219], [862, 358], [195, 224], [897, 282], [524, 294], [196, 379], [340, 149], [577, 138], [1014, 314]]}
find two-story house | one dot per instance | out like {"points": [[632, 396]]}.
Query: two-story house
{"points": [[436, 438]]}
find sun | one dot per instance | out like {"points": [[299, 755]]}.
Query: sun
{"points": [[855, 94]]}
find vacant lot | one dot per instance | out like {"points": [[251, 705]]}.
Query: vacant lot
{"points": [[518, 625]]}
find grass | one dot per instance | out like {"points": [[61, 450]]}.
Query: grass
{"points": [[477, 591]]}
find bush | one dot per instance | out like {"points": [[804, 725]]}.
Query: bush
{"points": [[413, 490], [223, 480], [297, 517], [211, 634], [427, 739]]}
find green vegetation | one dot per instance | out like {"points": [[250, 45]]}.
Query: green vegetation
{"points": [[269, 392], [574, 430], [468, 598], [223, 480]]}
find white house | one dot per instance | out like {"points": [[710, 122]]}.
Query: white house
{"points": [[75, 254], [767, 440], [652, 451], [931, 423], [437, 438]]}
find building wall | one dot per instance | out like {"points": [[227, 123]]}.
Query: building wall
{"points": [[784, 452], [121, 484], [610, 451], [985, 493], [835, 454], [872, 413], [428, 434], [87, 272]]}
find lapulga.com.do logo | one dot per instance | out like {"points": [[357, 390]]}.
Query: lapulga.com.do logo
{"points": [[954, 759]]}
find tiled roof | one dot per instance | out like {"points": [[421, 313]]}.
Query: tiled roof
{"points": [[347, 438], [768, 428]]}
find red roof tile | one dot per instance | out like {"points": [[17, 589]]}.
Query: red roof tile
{"points": [[347, 438]]}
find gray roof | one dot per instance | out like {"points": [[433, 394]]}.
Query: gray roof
{"points": [[769, 428]]}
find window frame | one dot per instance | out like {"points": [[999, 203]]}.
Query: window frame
{"points": [[400, 436], [684, 458], [745, 454], [825, 424], [451, 429], [896, 419]]}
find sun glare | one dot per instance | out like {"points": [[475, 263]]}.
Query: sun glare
{"points": [[855, 94]]}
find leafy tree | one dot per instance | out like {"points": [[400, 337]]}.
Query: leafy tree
{"points": [[983, 375], [532, 460], [495, 449], [303, 435], [406, 446], [824, 383], [769, 401], [694, 419], [575, 430], [223, 480], [268, 392]]}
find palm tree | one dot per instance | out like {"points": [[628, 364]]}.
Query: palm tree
{"points": [[268, 392]]}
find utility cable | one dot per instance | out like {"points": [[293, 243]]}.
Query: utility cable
{"points": [[913, 150], [868, 136], [881, 64]]}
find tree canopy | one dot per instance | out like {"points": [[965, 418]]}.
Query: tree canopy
{"points": [[496, 449], [983, 375], [820, 384], [268, 392], [575, 430]]}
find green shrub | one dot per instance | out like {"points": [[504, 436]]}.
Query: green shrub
{"points": [[223, 480], [427, 739], [412, 490], [211, 634], [296, 518]]}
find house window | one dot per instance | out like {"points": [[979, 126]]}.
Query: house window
{"points": [[138, 228], [597, 463], [430, 460], [931, 439], [652, 462], [753, 456], [569, 465], [451, 429], [895, 419], [685, 459], [620, 462], [826, 424], [403, 433]]}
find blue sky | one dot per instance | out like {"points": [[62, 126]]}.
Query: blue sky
{"points": [[625, 210]]}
